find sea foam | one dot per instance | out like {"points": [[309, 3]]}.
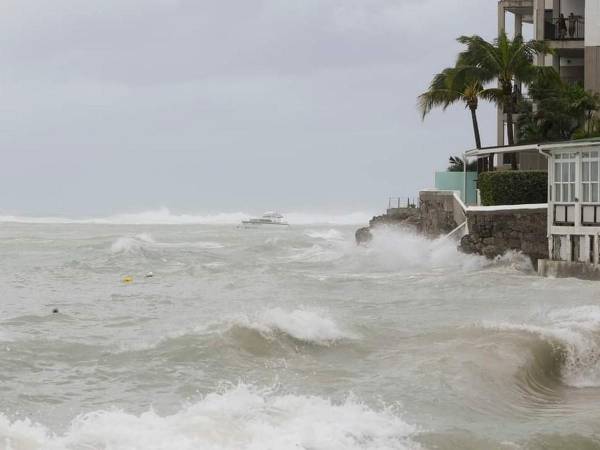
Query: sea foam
{"points": [[238, 418]]}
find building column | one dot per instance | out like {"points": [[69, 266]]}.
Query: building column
{"points": [[592, 45], [556, 63], [539, 8], [500, 112], [500, 129], [592, 68], [518, 25], [556, 8], [501, 18]]}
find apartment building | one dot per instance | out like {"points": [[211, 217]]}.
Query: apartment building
{"points": [[572, 29]]}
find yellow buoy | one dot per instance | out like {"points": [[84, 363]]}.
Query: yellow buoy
{"points": [[127, 279]]}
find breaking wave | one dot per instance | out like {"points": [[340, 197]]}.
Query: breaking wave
{"points": [[164, 216], [303, 325], [569, 351], [330, 234], [128, 244], [133, 244], [258, 331], [240, 417]]}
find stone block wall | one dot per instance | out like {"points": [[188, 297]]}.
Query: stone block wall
{"points": [[492, 233], [440, 213]]}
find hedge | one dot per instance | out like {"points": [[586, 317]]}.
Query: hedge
{"points": [[513, 187]]}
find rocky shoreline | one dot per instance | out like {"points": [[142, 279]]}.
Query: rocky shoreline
{"points": [[401, 217]]}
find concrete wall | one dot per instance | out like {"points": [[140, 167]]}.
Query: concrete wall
{"points": [[592, 19], [492, 233], [592, 68], [440, 212], [562, 269], [576, 7], [592, 45]]}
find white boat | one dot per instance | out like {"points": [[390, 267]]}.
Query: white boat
{"points": [[268, 219]]}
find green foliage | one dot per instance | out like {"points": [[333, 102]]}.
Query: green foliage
{"points": [[510, 63], [456, 164], [564, 111], [513, 187], [451, 86]]}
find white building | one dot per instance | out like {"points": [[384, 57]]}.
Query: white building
{"points": [[573, 201], [573, 219]]}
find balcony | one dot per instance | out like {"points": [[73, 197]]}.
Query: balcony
{"points": [[564, 29]]}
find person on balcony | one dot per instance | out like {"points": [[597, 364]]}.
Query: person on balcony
{"points": [[562, 26], [572, 25]]}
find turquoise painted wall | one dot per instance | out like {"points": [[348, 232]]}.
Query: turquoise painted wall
{"points": [[454, 181]]}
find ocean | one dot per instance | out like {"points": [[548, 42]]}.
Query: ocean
{"points": [[285, 339]]}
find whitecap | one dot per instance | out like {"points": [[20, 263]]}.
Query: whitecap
{"points": [[304, 325], [237, 418], [329, 235], [127, 244]]}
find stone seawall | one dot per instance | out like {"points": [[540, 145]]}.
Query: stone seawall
{"points": [[494, 232], [440, 212]]}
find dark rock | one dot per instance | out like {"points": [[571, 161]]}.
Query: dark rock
{"points": [[363, 236], [467, 244], [491, 251]]}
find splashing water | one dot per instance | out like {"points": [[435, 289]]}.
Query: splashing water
{"points": [[242, 417]]}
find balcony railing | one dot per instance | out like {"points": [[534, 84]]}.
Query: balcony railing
{"points": [[565, 29], [402, 202]]}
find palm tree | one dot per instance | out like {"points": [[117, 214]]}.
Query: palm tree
{"points": [[451, 86], [510, 62]]}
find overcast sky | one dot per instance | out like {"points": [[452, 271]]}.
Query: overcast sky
{"points": [[226, 105]]}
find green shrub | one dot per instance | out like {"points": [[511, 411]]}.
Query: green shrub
{"points": [[513, 187]]}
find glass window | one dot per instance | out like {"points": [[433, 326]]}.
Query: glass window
{"points": [[590, 176]]}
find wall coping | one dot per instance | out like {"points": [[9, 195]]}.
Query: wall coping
{"points": [[509, 208]]}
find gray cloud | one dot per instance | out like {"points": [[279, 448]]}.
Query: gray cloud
{"points": [[113, 105]]}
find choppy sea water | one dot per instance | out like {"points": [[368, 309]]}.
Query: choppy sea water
{"points": [[297, 339]]}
